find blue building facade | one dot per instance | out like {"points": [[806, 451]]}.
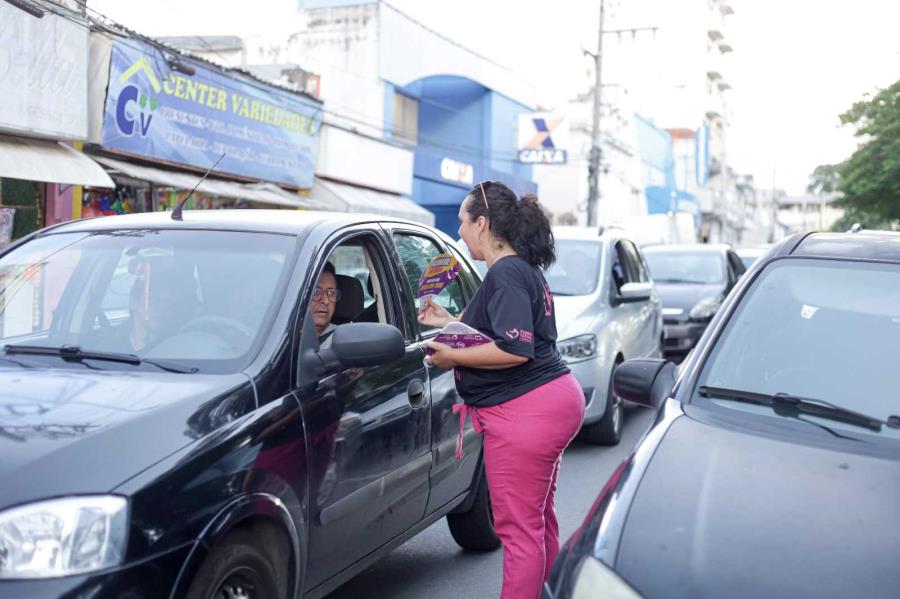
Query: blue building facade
{"points": [[466, 134], [456, 111], [660, 185]]}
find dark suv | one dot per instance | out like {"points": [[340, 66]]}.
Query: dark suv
{"points": [[773, 467], [171, 426]]}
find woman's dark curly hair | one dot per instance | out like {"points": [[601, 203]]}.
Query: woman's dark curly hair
{"points": [[519, 221]]}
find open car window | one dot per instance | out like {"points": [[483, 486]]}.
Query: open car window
{"points": [[416, 252]]}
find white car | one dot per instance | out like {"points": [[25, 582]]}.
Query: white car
{"points": [[607, 311]]}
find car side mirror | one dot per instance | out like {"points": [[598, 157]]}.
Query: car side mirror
{"points": [[647, 382], [635, 292], [352, 344], [367, 344]]}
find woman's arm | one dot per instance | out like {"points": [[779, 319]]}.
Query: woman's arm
{"points": [[487, 356], [433, 315]]}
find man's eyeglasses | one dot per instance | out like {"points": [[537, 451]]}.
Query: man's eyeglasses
{"points": [[332, 294]]}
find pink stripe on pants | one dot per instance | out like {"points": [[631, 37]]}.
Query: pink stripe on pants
{"points": [[524, 439]]}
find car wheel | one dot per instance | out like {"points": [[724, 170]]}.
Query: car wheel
{"points": [[607, 430], [240, 568], [474, 529]]}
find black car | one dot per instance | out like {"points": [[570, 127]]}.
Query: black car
{"points": [[692, 282], [773, 467], [171, 426]]}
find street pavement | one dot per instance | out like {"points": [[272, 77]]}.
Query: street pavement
{"points": [[432, 566]]}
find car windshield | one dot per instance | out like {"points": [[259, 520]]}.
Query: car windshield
{"points": [[577, 267], [194, 298], [815, 329], [690, 267]]}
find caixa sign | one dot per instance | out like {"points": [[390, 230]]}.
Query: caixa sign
{"points": [[542, 156], [458, 172]]}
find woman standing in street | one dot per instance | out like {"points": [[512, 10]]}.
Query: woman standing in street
{"points": [[517, 390]]}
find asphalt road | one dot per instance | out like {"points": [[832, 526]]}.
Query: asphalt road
{"points": [[432, 566]]}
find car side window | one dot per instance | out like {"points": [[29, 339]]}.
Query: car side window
{"points": [[415, 252], [357, 287], [470, 281], [620, 270], [638, 269]]}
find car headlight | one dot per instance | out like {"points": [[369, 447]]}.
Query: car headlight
{"points": [[60, 537], [706, 308], [578, 348], [595, 580]]}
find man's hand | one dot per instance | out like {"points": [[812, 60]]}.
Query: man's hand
{"points": [[443, 356]]}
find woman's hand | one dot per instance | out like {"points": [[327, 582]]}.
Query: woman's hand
{"points": [[443, 356], [432, 314]]}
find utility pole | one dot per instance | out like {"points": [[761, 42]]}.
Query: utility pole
{"points": [[594, 164], [596, 152]]}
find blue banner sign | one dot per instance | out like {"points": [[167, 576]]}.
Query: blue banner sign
{"points": [[265, 133]]}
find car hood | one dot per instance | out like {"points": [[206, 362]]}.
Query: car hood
{"points": [[68, 431], [686, 296], [575, 314], [720, 512]]}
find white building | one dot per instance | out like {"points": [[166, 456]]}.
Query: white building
{"points": [[808, 212], [564, 188], [680, 79]]}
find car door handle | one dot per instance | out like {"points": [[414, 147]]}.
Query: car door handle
{"points": [[416, 393]]}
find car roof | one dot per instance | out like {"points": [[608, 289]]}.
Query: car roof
{"points": [[254, 220], [711, 248], [865, 245], [587, 233]]}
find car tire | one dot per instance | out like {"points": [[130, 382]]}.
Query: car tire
{"points": [[243, 564], [474, 529], [607, 430]]}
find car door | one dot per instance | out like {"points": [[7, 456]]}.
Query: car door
{"points": [[449, 477], [647, 333], [368, 431]]}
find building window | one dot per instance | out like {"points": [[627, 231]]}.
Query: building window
{"points": [[406, 118]]}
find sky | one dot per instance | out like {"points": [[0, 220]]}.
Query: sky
{"points": [[797, 64]]}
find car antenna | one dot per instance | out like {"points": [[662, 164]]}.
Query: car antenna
{"points": [[176, 213]]}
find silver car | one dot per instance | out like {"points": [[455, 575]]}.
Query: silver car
{"points": [[607, 311]]}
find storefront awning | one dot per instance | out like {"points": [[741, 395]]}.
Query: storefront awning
{"points": [[49, 162], [341, 197], [264, 193]]}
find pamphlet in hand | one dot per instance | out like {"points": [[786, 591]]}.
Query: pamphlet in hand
{"points": [[439, 273], [459, 335]]}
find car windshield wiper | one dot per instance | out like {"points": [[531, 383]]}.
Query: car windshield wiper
{"points": [[791, 406], [75, 353]]}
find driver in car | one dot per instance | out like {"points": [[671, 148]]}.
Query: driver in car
{"points": [[324, 299], [156, 308]]}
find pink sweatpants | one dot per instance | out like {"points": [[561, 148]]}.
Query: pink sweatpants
{"points": [[524, 439]]}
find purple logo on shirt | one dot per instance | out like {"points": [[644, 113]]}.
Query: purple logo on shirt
{"points": [[548, 300], [517, 335]]}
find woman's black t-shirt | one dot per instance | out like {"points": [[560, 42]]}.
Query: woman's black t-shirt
{"points": [[514, 307]]}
